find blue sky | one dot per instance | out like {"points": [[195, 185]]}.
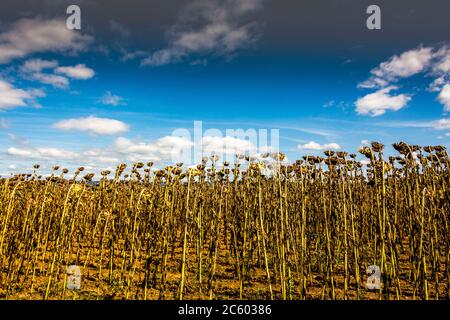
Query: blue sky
{"points": [[109, 93]]}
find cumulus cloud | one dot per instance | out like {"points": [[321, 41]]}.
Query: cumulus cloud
{"points": [[226, 145], [51, 79], [28, 36], [166, 145], [214, 27], [79, 72], [444, 97], [33, 69], [37, 65], [377, 103], [127, 146], [169, 148], [405, 65], [111, 99], [94, 125], [438, 84], [11, 97], [435, 62], [164, 148], [443, 60], [312, 145]]}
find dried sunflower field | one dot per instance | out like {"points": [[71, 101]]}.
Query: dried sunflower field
{"points": [[309, 230]]}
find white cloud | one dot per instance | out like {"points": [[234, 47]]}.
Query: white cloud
{"points": [[443, 63], [94, 125], [442, 83], [434, 61], [52, 79], [438, 83], [165, 148], [442, 124], [41, 153], [126, 146], [312, 145], [373, 82], [334, 146], [226, 145], [377, 103], [91, 159], [172, 147], [216, 29], [405, 65], [11, 97], [33, 70], [111, 99], [37, 65], [94, 160], [28, 36], [171, 144], [444, 97], [79, 72]]}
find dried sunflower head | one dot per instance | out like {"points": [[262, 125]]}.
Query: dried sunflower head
{"points": [[377, 146], [328, 153], [366, 151]]}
